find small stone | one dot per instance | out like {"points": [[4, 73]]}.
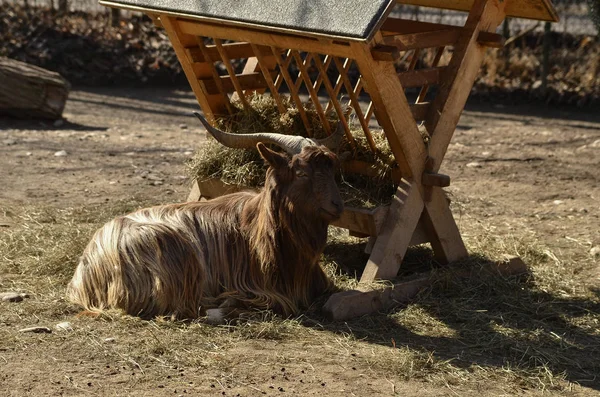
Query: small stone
{"points": [[474, 164], [595, 251], [9, 142], [183, 126], [13, 296], [557, 202], [156, 183], [37, 330], [28, 154], [60, 153], [188, 153], [64, 326], [58, 123], [596, 143], [109, 340]]}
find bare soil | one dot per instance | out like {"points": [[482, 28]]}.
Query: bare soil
{"points": [[518, 174]]}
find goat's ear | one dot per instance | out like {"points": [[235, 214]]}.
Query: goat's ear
{"points": [[275, 160]]}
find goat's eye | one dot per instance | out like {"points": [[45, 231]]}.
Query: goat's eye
{"points": [[301, 174]]}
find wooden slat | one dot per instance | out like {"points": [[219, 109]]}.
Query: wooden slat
{"points": [[419, 110], [233, 50], [354, 100], [435, 63], [211, 105], [421, 77], [232, 75], [405, 42], [319, 82], [283, 71], [249, 81], [311, 91], [333, 98], [271, 39], [216, 80], [530, 9], [305, 62], [339, 83], [385, 53], [262, 62], [490, 39], [397, 26]]}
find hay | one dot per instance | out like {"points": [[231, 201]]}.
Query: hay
{"points": [[245, 167]]}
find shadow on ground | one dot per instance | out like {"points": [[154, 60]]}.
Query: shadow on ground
{"points": [[485, 319]]}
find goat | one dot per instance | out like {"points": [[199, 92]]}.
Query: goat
{"points": [[247, 250]]}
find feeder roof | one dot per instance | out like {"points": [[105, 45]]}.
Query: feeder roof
{"points": [[350, 19], [346, 19]]}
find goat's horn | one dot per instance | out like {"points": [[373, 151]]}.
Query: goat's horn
{"points": [[291, 144]]}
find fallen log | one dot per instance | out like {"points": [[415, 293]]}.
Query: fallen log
{"points": [[28, 91]]}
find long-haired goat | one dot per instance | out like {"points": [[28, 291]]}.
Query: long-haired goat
{"points": [[244, 250]]}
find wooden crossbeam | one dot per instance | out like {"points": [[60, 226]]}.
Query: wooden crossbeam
{"points": [[420, 77], [419, 110], [271, 39], [435, 63], [233, 51], [211, 104], [248, 81], [397, 26], [232, 75], [218, 86], [411, 41]]}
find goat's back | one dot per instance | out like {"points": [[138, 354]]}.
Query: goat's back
{"points": [[166, 260]]}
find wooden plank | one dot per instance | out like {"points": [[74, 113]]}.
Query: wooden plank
{"points": [[385, 53], [227, 63], [395, 235], [531, 9], [405, 42], [346, 305], [216, 80], [436, 60], [442, 230], [419, 110], [211, 104], [420, 77], [398, 26], [233, 50], [490, 39], [270, 39], [249, 81], [431, 179]]}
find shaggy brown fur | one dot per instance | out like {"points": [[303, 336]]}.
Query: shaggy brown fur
{"points": [[249, 250]]}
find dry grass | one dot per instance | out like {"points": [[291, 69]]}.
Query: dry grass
{"points": [[538, 332], [246, 168]]}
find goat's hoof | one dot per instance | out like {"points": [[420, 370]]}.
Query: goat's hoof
{"points": [[215, 316]]}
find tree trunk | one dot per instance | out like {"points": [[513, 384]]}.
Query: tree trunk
{"points": [[31, 92]]}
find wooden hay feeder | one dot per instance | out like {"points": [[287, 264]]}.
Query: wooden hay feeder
{"points": [[335, 48]]}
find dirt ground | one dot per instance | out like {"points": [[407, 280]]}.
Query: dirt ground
{"points": [[529, 172]]}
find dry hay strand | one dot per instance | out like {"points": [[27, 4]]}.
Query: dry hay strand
{"points": [[244, 167]]}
